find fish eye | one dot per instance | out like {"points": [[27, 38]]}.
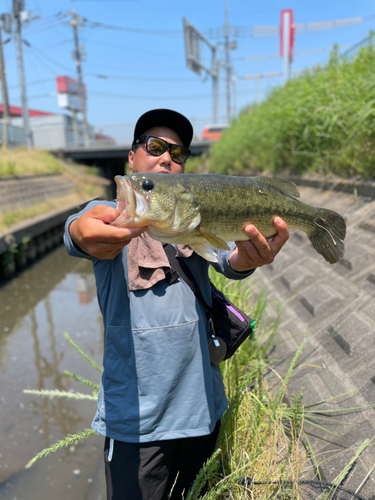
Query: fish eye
{"points": [[148, 185]]}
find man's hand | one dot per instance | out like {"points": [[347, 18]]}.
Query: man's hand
{"points": [[92, 233], [258, 251]]}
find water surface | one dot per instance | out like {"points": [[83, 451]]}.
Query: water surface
{"points": [[55, 295]]}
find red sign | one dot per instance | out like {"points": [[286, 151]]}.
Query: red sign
{"points": [[68, 93], [287, 14], [66, 85]]}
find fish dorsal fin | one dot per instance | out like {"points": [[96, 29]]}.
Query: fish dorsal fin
{"points": [[284, 187]]}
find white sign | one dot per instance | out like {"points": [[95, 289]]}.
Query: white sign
{"points": [[69, 101]]}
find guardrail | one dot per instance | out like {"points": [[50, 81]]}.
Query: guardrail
{"points": [[64, 134], [11, 136]]}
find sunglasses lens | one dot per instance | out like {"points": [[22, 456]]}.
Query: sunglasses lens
{"points": [[179, 154], [156, 146]]}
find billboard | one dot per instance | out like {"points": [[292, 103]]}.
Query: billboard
{"points": [[68, 93]]}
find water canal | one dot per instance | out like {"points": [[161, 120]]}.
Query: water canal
{"points": [[56, 295]]}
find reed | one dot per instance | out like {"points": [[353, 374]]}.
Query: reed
{"points": [[322, 121]]}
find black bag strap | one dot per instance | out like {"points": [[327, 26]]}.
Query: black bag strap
{"points": [[185, 273]]}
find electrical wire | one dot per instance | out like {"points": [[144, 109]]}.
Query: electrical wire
{"points": [[295, 53], [53, 61], [131, 48], [52, 25], [94, 24], [35, 82], [140, 78], [70, 40]]}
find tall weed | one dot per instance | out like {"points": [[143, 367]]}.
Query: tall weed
{"points": [[322, 121]]}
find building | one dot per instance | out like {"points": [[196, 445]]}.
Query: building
{"points": [[49, 130]]}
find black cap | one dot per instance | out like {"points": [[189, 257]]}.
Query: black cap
{"points": [[165, 118]]}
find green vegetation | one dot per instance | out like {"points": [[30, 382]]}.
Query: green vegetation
{"points": [[196, 164], [322, 121], [20, 162]]}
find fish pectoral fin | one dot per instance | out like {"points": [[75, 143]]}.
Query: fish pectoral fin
{"points": [[204, 250], [213, 240], [284, 187]]}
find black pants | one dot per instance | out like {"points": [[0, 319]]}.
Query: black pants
{"points": [[148, 471]]}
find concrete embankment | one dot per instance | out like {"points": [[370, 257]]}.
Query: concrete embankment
{"points": [[332, 307], [25, 241]]}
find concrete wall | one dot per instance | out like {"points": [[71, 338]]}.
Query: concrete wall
{"points": [[17, 193]]}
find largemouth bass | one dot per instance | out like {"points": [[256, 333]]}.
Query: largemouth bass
{"points": [[205, 211]]}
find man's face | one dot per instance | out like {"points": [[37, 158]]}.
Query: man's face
{"points": [[142, 161]]}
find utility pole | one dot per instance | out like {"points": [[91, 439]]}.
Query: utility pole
{"points": [[4, 91], [234, 79], [18, 7], [227, 60], [4, 88], [215, 85], [78, 58]]}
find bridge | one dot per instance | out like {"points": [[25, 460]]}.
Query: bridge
{"points": [[90, 154], [111, 159]]}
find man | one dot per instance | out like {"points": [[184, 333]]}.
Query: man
{"points": [[160, 399]]}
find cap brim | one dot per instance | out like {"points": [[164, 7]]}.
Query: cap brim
{"points": [[165, 118]]}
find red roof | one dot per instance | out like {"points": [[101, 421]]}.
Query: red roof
{"points": [[17, 111]]}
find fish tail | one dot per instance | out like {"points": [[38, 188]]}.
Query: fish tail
{"points": [[328, 235]]}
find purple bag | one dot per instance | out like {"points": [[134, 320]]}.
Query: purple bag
{"points": [[229, 324]]}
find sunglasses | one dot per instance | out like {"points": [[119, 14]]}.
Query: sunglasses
{"points": [[156, 147]]}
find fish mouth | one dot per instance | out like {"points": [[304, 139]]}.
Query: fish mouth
{"points": [[132, 205]]}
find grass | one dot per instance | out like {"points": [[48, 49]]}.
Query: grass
{"points": [[322, 121], [196, 164], [259, 452], [38, 162], [21, 162]]}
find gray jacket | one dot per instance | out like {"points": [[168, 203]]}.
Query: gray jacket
{"points": [[157, 381]]}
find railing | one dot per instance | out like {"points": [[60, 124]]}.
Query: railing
{"points": [[11, 136], [104, 135]]}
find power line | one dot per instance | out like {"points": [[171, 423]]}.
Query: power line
{"points": [[53, 25], [64, 42], [295, 53], [51, 70], [274, 30], [53, 61], [94, 24], [35, 82], [122, 47], [125, 96], [140, 78]]}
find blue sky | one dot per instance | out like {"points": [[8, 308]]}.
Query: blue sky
{"points": [[146, 69]]}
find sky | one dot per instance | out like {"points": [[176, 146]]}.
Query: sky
{"points": [[135, 53]]}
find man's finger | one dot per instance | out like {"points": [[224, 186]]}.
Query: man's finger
{"points": [[282, 236], [116, 235], [259, 241], [103, 213]]}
